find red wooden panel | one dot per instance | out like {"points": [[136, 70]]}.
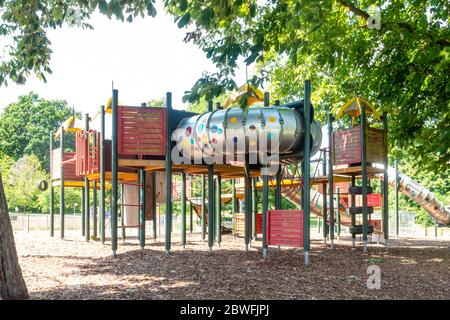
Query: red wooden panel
{"points": [[87, 152], [376, 223], [343, 187], [69, 166], [141, 131], [347, 146], [285, 228], [373, 200], [239, 224]]}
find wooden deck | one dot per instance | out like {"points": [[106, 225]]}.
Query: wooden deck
{"points": [[224, 170]]}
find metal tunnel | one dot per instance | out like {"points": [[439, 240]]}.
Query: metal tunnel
{"points": [[232, 132]]}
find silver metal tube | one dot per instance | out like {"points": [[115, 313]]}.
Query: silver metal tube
{"points": [[422, 196], [233, 132]]}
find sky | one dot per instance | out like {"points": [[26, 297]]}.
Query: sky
{"points": [[144, 59]]}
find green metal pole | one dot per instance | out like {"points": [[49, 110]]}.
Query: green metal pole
{"points": [[330, 178], [142, 208], [203, 213], [306, 192], [324, 200], [154, 216], [234, 203], [183, 209], [265, 207], [364, 175], [248, 211], [353, 217], [114, 171], [210, 197], [87, 187], [338, 213], [278, 190], [87, 209], [83, 212], [122, 212], [385, 185], [210, 207], [61, 180], [52, 190], [266, 99], [255, 209], [102, 174], [191, 218], [168, 173], [324, 212], [94, 206], [397, 216], [219, 210]]}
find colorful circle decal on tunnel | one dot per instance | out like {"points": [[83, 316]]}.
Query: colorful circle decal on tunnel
{"points": [[188, 131], [186, 144], [213, 128], [233, 119], [200, 127], [192, 141], [219, 131], [272, 119]]}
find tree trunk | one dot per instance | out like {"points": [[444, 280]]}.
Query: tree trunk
{"points": [[12, 285]]}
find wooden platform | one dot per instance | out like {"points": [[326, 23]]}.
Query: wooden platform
{"points": [[356, 171], [224, 170]]}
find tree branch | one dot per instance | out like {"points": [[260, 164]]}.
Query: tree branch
{"points": [[406, 26]]}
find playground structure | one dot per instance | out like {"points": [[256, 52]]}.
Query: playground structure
{"points": [[137, 162]]}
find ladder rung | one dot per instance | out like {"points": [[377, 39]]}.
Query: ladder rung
{"points": [[131, 183], [138, 226], [129, 205]]}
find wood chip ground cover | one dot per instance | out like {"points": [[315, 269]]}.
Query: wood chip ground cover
{"points": [[74, 269]]}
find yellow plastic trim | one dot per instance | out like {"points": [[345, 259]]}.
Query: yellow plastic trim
{"points": [[72, 124], [256, 95], [353, 108]]}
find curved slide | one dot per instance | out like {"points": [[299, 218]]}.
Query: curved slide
{"points": [[422, 196], [316, 200], [409, 187]]}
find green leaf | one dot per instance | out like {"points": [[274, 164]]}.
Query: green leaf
{"points": [[184, 20], [151, 10]]}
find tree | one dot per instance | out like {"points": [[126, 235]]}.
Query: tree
{"points": [[25, 127], [20, 183], [12, 285], [400, 63], [157, 103], [25, 24]]}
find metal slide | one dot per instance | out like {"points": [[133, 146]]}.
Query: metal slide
{"points": [[316, 200], [422, 196], [413, 190]]}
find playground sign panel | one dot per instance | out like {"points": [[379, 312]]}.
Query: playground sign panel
{"points": [[285, 228]]}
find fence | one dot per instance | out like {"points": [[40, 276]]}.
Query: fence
{"points": [[37, 221]]}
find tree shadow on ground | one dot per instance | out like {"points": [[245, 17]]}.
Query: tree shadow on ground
{"points": [[229, 273]]}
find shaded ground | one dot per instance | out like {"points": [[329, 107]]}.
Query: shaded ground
{"points": [[74, 269]]}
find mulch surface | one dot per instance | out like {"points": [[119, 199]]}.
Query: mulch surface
{"points": [[74, 269]]}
